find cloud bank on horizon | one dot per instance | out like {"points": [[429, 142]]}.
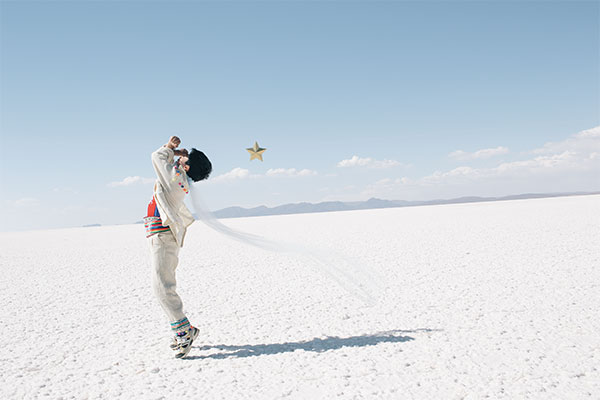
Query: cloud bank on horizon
{"points": [[577, 157], [579, 153]]}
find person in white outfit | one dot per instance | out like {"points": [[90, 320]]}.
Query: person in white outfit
{"points": [[166, 224]]}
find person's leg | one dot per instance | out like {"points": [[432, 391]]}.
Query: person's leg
{"points": [[165, 251]]}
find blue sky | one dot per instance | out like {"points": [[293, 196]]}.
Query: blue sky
{"points": [[396, 100]]}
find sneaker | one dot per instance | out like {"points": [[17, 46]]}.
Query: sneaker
{"points": [[185, 340]]}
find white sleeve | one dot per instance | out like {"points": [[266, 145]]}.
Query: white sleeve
{"points": [[162, 161]]}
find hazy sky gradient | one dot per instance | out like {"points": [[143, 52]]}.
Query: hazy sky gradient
{"points": [[397, 100]]}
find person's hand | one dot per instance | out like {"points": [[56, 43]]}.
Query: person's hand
{"points": [[173, 143]]}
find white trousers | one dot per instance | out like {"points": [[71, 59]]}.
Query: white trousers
{"points": [[165, 251]]}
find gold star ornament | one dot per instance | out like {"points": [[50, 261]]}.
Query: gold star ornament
{"points": [[256, 152]]}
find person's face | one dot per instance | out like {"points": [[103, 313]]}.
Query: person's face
{"points": [[183, 163]]}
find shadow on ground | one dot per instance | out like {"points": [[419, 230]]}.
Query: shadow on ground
{"points": [[317, 345]]}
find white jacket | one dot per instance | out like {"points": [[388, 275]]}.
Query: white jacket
{"points": [[169, 191]]}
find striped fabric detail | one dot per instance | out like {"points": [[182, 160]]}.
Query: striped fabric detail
{"points": [[181, 326], [154, 225], [153, 222]]}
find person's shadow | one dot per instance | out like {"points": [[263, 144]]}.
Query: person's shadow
{"points": [[317, 345]]}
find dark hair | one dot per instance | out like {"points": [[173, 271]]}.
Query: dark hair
{"points": [[200, 166]]}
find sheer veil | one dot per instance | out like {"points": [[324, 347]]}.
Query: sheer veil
{"points": [[351, 276]]}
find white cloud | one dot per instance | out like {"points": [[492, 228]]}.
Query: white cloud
{"points": [[579, 152], [569, 165], [131, 180], [242, 173], [456, 174], [479, 154], [290, 172], [566, 159], [236, 173], [593, 133], [355, 161], [397, 181], [367, 162], [584, 142], [27, 202]]}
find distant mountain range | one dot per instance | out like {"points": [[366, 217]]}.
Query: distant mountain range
{"points": [[373, 203], [302, 208]]}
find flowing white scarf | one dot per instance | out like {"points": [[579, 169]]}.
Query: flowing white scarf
{"points": [[357, 281]]}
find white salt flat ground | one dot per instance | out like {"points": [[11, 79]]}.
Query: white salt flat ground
{"points": [[497, 300]]}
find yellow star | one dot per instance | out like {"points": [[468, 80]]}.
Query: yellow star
{"points": [[256, 152]]}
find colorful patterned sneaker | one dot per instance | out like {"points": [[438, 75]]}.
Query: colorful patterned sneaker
{"points": [[185, 340]]}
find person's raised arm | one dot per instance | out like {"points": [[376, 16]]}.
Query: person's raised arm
{"points": [[162, 161]]}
